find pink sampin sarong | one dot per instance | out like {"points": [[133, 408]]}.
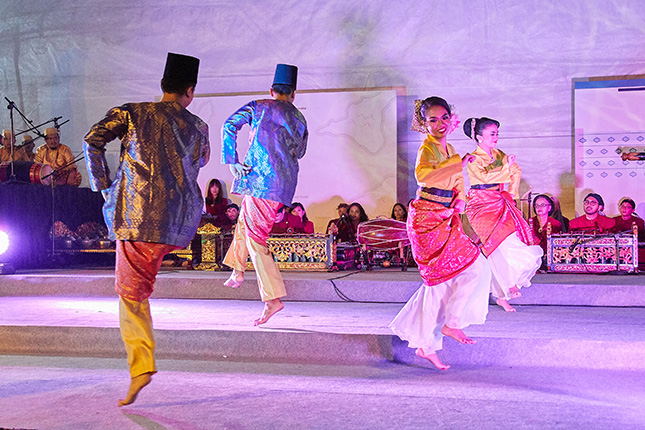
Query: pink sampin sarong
{"points": [[137, 265], [494, 216], [439, 245]]}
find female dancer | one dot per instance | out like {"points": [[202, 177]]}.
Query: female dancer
{"points": [[506, 237], [456, 277]]}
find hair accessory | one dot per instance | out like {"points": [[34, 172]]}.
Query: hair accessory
{"points": [[473, 124], [418, 123]]}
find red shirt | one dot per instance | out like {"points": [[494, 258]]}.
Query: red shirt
{"points": [[539, 233], [290, 224], [626, 226], [218, 210], [601, 224]]}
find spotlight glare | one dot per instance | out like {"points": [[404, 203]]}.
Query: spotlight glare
{"points": [[4, 242]]}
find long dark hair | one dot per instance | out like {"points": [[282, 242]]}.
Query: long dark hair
{"points": [[304, 215], [363, 216], [405, 211], [210, 199]]}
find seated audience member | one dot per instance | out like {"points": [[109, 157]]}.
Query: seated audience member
{"points": [[60, 158], [8, 142], [28, 146], [216, 203], [347, 226], [285, 222], [626, 218], [592, 221], [306, 226], [232, 213], [399, 212], [557, 214], [543, 207], [342, 210]]}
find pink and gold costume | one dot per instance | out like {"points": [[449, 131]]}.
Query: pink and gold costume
{"points": [[506, 238], [456, 277]]}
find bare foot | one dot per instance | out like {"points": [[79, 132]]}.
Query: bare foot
{"points": [[235, 280], [271, 307], [515, 292], [136, 384], [457, 335], [433, 358], [504, 303]]}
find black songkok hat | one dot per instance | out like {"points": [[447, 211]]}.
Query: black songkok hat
{"points": [[181, 68], [596, 196], [286, 74]]}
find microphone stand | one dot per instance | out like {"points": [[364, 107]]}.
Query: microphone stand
{"points": [[11, 106], [54, 171]]}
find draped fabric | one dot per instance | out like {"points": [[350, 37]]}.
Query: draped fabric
{"points": [[494, 216], [258, 216], [137, 265], [439, 245]]}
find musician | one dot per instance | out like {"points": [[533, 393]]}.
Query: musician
{"points": [[60, 158], [286, 223], [28, 146], [299, 212], [9, 141], [342, 210], [592, 221], [626, 218]]}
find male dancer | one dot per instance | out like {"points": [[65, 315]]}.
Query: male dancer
{"points": [[154, 204], [267, 179]]}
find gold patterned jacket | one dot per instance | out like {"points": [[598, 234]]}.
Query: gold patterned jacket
{"points": [[154, 196]]}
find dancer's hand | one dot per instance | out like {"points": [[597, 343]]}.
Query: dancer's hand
{"points": [[239, 170], [468, 158], [511, 160], [459, 205]]}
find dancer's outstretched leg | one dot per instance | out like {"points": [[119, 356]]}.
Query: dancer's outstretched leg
{"points": [[270, 308], [432, 357], [136, 385], [235, 280], [504, 303], [457, 335]]}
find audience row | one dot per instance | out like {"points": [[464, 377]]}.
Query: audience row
{"points": [[548, 215]]}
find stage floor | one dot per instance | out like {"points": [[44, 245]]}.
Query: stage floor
{"points": [[570, 357]]}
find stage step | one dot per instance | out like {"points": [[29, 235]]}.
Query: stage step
{"points": [[323, 333], [378, 286]]}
